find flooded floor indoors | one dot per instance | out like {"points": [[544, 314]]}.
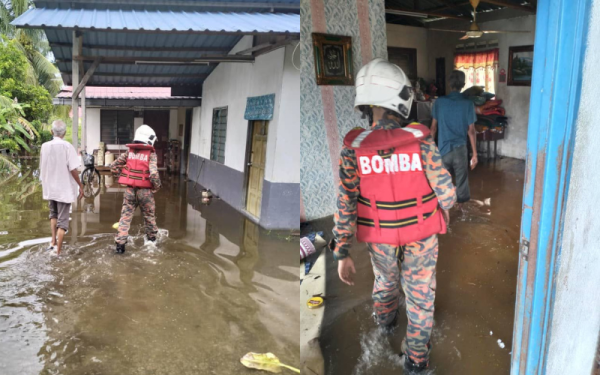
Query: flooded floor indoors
{"points": [[215, 287], [475, 298]]}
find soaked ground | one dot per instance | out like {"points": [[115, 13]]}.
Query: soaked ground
{"points": [[214, 288], [476, 284]]}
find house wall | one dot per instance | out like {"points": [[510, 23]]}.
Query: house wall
{"points": [[326, 112], [92, 116], [230, 85], [412, 37], [575, 320]]}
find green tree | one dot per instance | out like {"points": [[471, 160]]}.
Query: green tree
{"points": [[15, 82], [32, 43]]}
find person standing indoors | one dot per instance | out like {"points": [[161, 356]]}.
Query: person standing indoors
{"points": [[60, 180], [392, 184], [454, 120]]}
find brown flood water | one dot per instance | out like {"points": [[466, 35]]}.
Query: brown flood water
{"points": [[476, 285], [214, 288]]}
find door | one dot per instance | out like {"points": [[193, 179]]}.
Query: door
{"points": [[440, 75], [560, 33], [159, 121], [256, 166]]}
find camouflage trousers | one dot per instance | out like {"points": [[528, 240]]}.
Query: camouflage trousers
{"points": [[416, 274], [133, 198]]}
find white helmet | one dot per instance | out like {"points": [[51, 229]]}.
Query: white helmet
{"points": [[145, 135], [383, 84]]}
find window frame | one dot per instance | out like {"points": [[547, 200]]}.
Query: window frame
{"points": [[116, 140], [221, 127]]}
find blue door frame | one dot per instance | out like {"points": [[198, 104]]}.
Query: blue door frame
{"points": [[560, 40]]}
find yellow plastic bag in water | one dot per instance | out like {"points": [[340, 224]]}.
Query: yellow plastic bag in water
{"points": [[116, 225], [266, 362]]}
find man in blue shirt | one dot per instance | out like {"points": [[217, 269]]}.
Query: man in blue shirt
{"points": [[455, 117]]}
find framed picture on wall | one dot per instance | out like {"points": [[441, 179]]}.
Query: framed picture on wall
{"points": [[520, 65], [333, 59]]}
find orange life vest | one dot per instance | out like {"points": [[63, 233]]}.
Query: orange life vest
{"points": [[396, 205], [137, 171]]}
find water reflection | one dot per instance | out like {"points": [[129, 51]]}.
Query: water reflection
{"points": [[217, 287]]}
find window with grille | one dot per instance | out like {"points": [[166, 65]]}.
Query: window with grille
{"points": [[219, 132], [116, 127]]}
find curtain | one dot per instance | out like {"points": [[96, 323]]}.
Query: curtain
{"points": [[480, 68]]}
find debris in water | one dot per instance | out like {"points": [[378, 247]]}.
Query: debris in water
{"points": [[266, 362], [491, 333], [3, 233], [458, 353], [55, 320], [94, 359], [116, 225], [314, 302], [500, 344]]}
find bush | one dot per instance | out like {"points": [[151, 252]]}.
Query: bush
{"points": [[43, 130], [9, 144]]}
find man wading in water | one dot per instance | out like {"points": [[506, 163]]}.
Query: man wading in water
{"points": [[392, 184], [138, 169], [60, 180]]}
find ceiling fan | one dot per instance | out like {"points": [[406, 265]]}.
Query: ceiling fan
{"points": [[474, 31]]}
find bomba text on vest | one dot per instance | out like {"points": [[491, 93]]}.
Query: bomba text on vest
{"points": [[395, 163], [139, 156]]}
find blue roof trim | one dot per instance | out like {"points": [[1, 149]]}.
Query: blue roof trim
{"points": [[159, 21]]}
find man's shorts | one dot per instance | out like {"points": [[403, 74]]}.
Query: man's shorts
{"points": [[60, 212]]}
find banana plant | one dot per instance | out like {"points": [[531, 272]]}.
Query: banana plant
{"points": [[14, 126]]}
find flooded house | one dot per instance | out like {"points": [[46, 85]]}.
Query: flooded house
{"points": [[220, 79]]}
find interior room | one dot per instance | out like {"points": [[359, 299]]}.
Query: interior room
{"points": [[478, 257]]}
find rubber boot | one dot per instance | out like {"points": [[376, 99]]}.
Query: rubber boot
{"points": [[120, 248], [388, 329], [410, 367]]}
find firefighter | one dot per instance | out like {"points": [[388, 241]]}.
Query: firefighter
{"points": [[137, 169], [395, 194]]}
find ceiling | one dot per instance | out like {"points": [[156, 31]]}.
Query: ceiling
{"points": [[421, 13]]}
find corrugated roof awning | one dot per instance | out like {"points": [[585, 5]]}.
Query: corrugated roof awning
{"points": [[152, 47], [159, 21]]}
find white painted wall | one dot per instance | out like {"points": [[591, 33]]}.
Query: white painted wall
{"points": [[230, 85], [576, 320], [286, 156], [412, 37], [195, 144], [92, 116]]}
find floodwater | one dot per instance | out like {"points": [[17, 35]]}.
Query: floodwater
{"points": [[475, 298], [214, 287]]}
